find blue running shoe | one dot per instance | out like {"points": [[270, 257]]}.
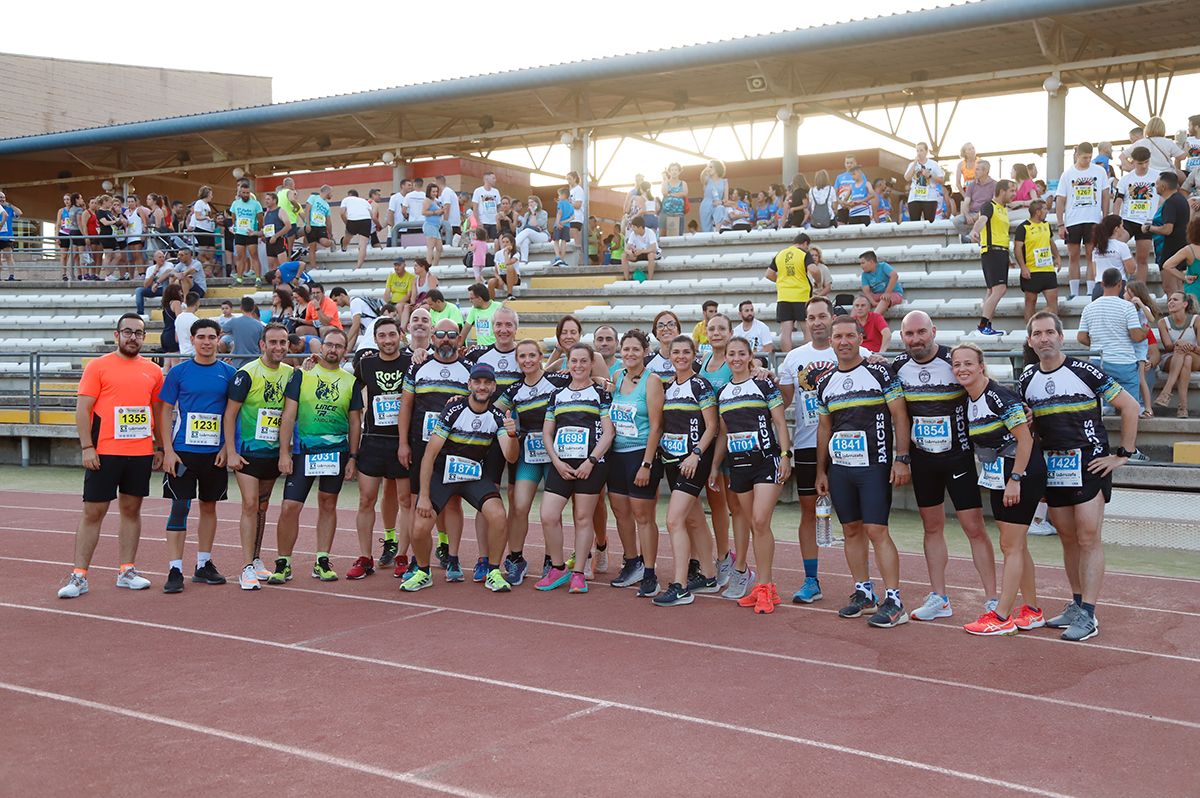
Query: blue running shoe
{"points": [[481, 570], [454, 572], [515, 571], [989, 330], [809, 592]]}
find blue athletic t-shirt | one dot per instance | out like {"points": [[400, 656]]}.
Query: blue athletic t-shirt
{"points": [[198, 393]]}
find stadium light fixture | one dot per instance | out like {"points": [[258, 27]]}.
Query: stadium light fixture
{"points": [[107, 185], [1052, 84], [238, 173], [389, 157]]}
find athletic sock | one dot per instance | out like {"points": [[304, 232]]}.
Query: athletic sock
{"points": [[1074, 287], [1090, 609], [984, 322], [453, 560], [559, 566], [601, 547], [202, 558], [423, 568], [810, 568], [125, 566], [1091, 284], [648, 573], [389, 535], [516, 556], [443, 537], [893, 594], [1078, 599], [176, 564], [81, 571], [866, 587]]}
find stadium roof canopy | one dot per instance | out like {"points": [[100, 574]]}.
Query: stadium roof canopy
{"points": [[977, 49]]}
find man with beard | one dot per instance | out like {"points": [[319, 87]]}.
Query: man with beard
{"points": [[251, 427], [322, 407], [114, 417]]}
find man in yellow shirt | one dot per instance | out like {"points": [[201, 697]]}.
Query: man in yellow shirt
{"points": [[794, 272], [700, 331], [399, 283]]}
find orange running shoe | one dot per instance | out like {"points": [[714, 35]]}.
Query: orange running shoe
{"points": [[1026, 618], [751, 598], [766, 602], [775, 599], [990, 624]]}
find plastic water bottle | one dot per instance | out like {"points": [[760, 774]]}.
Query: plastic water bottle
{"points": [[824, 521]]}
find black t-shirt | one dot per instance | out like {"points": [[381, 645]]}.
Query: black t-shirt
{"points": [[1174, 211]]}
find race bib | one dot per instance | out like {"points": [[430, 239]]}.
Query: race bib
{"points": [[131, 423], [267, 426], [930, 433], [991, 475], [461, 469], [1193, 162], [203, 429], [1042, 257], [488, 206], [624, 419], [428, 424], [1064, 469], [742, 442], [317, 219], [325, 464], [268, 230], [483, 328], [1139, 209], [675, 444], [243, 225], [1085, 195], [535, 450], [849, 448], [571, 443], [921, 194], [386, 409], [808, 407]]}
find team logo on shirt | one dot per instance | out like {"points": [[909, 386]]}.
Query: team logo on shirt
{"points": [[444, 373], [847, 383], [476, 424], [389, 381], [272, 392], [924, 376], [1049, 387], [574, 394], [327, 391], [736, 390], [502, 364]]}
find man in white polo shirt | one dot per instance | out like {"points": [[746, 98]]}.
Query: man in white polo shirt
{"points": [[1111, 324]]}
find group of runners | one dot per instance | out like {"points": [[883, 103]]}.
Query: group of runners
{"points": [[429, 423]]}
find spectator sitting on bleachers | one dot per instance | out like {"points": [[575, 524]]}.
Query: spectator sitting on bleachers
{"points": [[246, 331], [641, 245], [883, 200], [226, 313], [825, 285], [880, 283], [753, 330], [321, 310], [158, 275], [191, 275], [363, 312], [183, 324], [282, 310], [303, 344], [737, 211], [440, 309], [287, 274], [876, 333], [709, 309], [976, 194]]}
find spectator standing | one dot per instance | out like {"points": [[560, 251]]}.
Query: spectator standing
{"points": [[363, 313], [841, 188], [8, 213], [246, 331], [485, 204], [289, 211], [882, 212], [798, 211], [452, 221], [1191, 149], [876, 333], [1171, 223], [1037, 256], [880, 282], [397, 212], [1081, 202], [674, 204], [923, 176], [991, 232], [965, 172], [1136, 204], [576, 225], [172, 306], [565, 211], [1111, 325], [716, 192], [433, 215], [794, 273], [277, 230], [1165, 154], [859, 200], [700, 332], [414, 203], [202, 221], [247, 214], [356, 219], [315, 216], [753, 330], [821, 199], [479, 317]]}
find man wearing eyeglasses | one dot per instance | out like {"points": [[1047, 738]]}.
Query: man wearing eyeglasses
{"points": [[114, 416], [428, 387]]}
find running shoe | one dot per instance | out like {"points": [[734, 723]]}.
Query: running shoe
{"points": [[418, 581], [589, 571], [174, 583], [495, 581], [648, 586], [362, 568], [546, 565], [555, 577], [323, 570], [131, 579], [1066, 617], [238, 280], [767, 599], [403, 569], [889, 614], [454, 571], [578, 583], [209, 575], [693, 570], [1083, 627], [1027, 618], [751, 598], [261, 570], [990, 605], [516, 571], [388, 555], [75, 587], [775, 599], [281, 574], [601, 561], [703, 584], [631, 573], [934, 607], [1042, 527], [990, 624], [809, 592], [859, 601], [443, 552], [989, 330], [676, 595], [481, 570], [725, 569], [249, 579], [739, 584], [570, 564]]}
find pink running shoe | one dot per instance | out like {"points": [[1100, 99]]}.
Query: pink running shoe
{"points": [[555, 577], [578, 584]]}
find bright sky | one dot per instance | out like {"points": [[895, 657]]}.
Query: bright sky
{"points": [[402, 49]]}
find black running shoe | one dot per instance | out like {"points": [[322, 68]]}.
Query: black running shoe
{"points": [[859, 601], [443, 555], [631, 573], [699, 583], [388, 556], [890, 614], [693, 571], [648, 587], [174, 583], [208, 575], [674, 596]]}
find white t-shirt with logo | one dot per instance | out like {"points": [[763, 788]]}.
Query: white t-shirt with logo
{"points": [[1140, 197], [357, 208], [1082, 189], [450, 197], [647, 241], [366, 331], [396, 207], [802, 367], [183, 332], [415, 200], [758, 335], [927, 191], [488, 202]]}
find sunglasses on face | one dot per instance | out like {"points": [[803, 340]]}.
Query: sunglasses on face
{"points": [[451, 334]]}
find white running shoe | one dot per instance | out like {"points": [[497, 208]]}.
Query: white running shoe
{"points": [[724, 569], [601, 566], [589, 572], [934, 607], [990, 605], [261, 571], [249, 579], [75, 587], [1042, 526], [131, 579], [739, 584]]}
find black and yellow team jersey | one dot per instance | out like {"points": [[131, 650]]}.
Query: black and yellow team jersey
{"points": [[467, 435], [791, 269], [578, 420], [745, 409], [529, 402], [433, 384], [856, 402], [1066, 405], [503, 363], [1036, 244], [937, 404], [994, 415], [995, 232], [684, 404]]}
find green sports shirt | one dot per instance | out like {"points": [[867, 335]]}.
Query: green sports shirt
{"points": [[260, 389]]}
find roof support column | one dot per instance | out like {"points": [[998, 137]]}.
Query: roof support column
{"points": [[1056, 116], [579, 165], [399, 172], [791, 155]]}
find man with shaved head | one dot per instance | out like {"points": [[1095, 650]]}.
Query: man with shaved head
{"points": [[942, 460]]}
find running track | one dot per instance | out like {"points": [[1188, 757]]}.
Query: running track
{"points": [[352, 686]]}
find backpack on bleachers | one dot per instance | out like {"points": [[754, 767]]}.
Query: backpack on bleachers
{"points": [[822, 208]]}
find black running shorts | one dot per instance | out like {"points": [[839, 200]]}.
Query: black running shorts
{"points": [[199, 477], [128, 475], [933, 476]]}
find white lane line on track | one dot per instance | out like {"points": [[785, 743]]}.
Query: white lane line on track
{"points": [[662, 536], [636, 708], [246, 739], [858, 669], [662, 557]]}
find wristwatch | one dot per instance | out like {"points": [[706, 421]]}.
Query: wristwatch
{"points": [[696, 450], [904, 458], [353, 455], [592, 459], [787, 453], [1017, 476], [645, 464], [1123, 452]]}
